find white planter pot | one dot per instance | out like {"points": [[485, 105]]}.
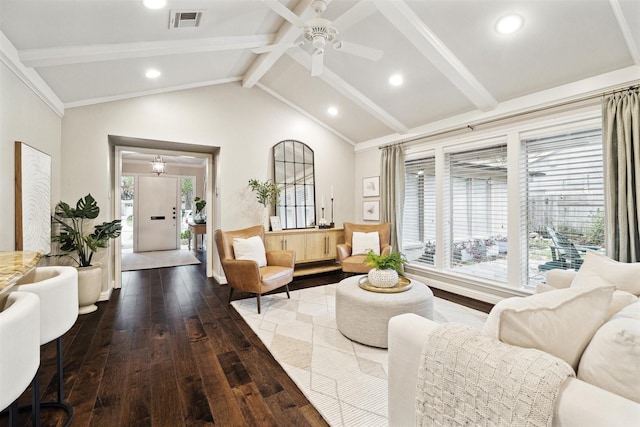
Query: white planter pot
{"points": [[266, 216], [387, 278], [89, 287]]}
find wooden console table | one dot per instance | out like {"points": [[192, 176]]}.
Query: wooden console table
{"points": [[194, 231], [315, 248]]}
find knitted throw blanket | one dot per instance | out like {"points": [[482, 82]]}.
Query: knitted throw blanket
{"points": [[469, 379]]}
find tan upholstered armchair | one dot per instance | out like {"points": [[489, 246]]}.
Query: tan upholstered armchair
{"points": [[356, 263], [244, 274]]}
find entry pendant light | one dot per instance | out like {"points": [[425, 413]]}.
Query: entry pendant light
{"points": [[158, 166]]}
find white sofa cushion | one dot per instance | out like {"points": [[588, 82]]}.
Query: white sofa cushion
{"points": [[619, 299], [600, 270], [251, 249], [560, 322], [612, 359], [362, 242]]}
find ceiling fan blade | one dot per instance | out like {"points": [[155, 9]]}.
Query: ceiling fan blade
{"points": [[283, 11], [277, 46], [354, 15], [317, 59], [359, 50]]}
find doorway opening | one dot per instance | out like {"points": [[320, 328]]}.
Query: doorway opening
{"points": [[192, 172]]}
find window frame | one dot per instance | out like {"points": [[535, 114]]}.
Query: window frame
{"points": [[513, 133]]}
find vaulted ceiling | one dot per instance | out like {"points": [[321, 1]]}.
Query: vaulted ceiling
{"points": [[453, 63]]}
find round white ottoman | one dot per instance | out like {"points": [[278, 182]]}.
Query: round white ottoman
{"points": [[363, 316]]}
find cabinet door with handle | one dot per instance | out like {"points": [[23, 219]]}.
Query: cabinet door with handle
{"points": [[321, 246], [295, 242], [273, 241]]}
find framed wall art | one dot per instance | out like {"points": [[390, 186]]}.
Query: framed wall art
{"points": [[276, 225], [371, 210], [32, 199], [371, 186]]}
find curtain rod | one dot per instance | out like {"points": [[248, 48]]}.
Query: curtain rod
{"points": [[471, 127]]}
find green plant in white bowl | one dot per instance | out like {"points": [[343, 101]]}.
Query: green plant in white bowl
{"points": [[384, 273]]}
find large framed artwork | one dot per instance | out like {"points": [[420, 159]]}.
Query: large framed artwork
{"points": [[32, 199]]}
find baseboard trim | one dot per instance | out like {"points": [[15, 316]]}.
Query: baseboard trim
{"points": [[477, 291]]}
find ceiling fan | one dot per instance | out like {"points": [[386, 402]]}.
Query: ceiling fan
{"points": [[320, 33]]}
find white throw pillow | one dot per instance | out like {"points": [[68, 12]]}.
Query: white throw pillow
{"points": [[362, 242], [559, 322], [612, 359], [620, 300], [598, 270], [251, 249]]}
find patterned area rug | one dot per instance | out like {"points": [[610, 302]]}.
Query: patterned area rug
{"points": [[157, 259], [344, 380]]}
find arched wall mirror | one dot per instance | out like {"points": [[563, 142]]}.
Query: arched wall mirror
{"points": [[294, 174]]}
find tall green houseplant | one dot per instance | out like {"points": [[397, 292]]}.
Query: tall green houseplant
{"points": [[267, 192], [75, 241]]}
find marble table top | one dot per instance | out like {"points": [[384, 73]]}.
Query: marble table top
{"points": [[13, 265]]}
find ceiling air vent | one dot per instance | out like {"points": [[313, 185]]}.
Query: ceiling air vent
{"points": [[185, 18]]}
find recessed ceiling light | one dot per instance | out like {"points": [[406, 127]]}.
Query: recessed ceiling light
{"points": [[333, 111], [395, 80], [152, 73], [509, 24], [154, 4]]}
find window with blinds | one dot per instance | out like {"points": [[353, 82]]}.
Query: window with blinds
{"points": [[419, 218], [477, 182], [565, 199]]}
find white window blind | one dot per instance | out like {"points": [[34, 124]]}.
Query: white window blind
{"points": [[478, 210], [419, 218], [565, 199]]}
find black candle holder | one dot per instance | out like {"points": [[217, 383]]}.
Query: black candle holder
{"points": [[331, 224]]}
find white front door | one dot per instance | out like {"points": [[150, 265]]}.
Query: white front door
{"points": [[157, 207]]}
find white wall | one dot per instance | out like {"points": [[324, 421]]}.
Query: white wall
{"points": [[244, 123], [23, 117], [367, 165]]}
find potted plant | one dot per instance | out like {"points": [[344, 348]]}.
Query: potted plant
{"points": [[200, 216], [384, 273], [267, 194], [77, 243]]}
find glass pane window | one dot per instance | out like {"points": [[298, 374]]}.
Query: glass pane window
{"points": [[565, 200], [419, 218], [477, 181]]}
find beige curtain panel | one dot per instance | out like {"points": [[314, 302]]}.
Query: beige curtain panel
{"points": [[392, 192], [621, 140]]}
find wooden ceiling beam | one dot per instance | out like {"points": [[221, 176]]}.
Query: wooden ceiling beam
{"points": [[355, 96], [428, 44], [55, 56], [286, 34]]}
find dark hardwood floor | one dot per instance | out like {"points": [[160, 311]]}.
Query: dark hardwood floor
{"points": [[167, 350]]}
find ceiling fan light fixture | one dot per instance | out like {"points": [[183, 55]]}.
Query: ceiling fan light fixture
{"points": [[509, 24], [154, 4], [158, 166]]}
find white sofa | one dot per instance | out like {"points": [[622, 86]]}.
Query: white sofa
{"points": [[580, 403]]}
